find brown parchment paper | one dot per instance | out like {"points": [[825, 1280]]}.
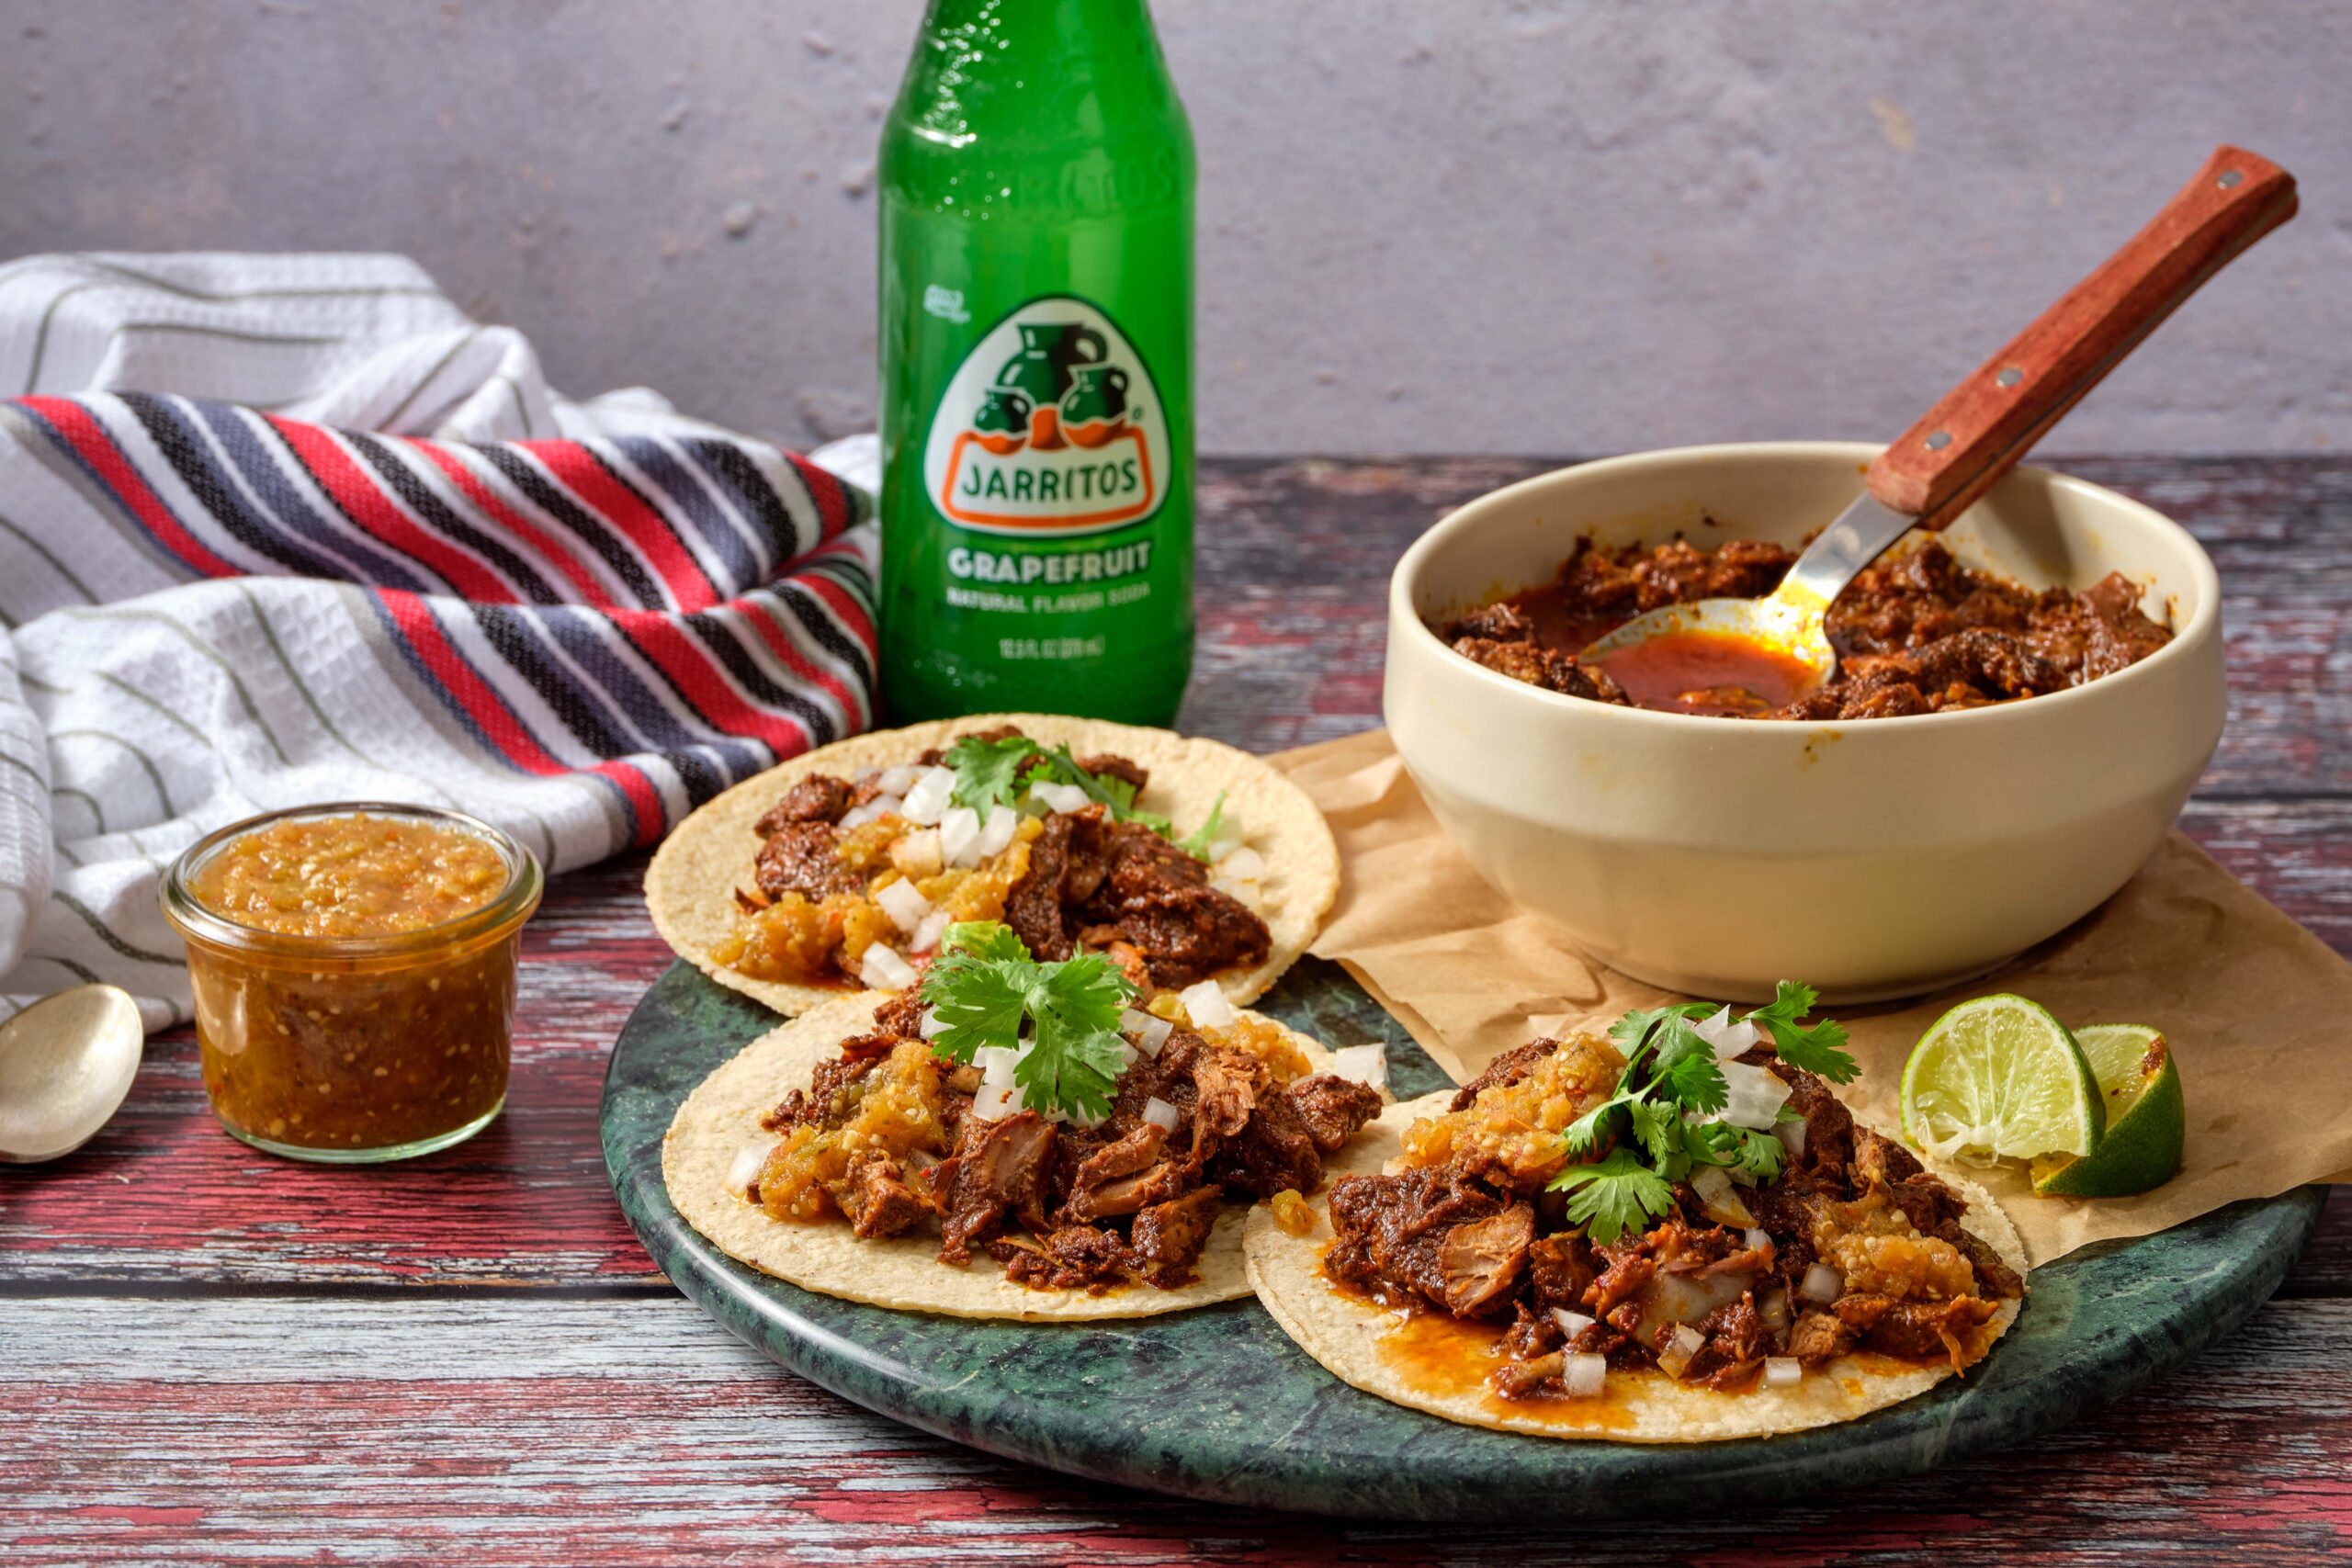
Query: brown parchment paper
{"points": [[2255, 1008]]}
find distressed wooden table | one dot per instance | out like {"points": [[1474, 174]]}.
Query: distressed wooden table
{"points": [[208, 1355]]}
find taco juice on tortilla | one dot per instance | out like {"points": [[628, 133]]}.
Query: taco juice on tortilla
{"points": [[1700, 1243], [1019, 1138], [1182, 859]]}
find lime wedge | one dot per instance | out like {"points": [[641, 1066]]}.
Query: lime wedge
{"points": [[2146, 1119], [1999, 1079]]}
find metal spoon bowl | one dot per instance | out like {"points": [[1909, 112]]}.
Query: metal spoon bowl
{"points": [[66, 1064], [1791, 619]]}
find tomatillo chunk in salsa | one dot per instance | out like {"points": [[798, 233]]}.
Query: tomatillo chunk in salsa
{"points": [[354, 972]]}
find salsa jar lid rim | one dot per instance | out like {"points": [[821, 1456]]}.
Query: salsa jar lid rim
{"points": [[513, 902]]}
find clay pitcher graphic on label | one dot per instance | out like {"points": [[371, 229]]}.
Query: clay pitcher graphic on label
{"points": [[1095, 410], [1001, 425], [1051, 425], [1041, 372]]}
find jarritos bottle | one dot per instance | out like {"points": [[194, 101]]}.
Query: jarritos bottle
{"points": [[1036, 345]]}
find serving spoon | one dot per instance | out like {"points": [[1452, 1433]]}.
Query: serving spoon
{"points": [[66, 1062], [1980, 428]]}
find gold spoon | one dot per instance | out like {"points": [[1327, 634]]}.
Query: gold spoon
{"points": [[1936, 469], [66, 1062]]}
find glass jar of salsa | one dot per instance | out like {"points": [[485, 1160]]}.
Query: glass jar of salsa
{"points": [[354, 968]]}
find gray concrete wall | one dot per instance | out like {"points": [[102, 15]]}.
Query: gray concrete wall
{"points": [[1467, 225]]}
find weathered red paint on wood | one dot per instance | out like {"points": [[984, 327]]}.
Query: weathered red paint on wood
{"points": [[521, 1430], [171, 1397]]}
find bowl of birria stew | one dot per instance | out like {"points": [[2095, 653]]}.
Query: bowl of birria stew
{"points": [[2021, 707]]}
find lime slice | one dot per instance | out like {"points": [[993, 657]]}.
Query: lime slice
{"points": [[2146, 1118], [1999, 1077]]}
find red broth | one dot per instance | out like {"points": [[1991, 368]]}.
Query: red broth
{"points": [[1718, 674]]}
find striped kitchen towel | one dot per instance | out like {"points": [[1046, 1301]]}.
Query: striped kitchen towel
{"points": [[286, 529]]}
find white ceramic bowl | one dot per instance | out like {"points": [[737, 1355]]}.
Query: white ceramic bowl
{"points": [[1874, 858]]}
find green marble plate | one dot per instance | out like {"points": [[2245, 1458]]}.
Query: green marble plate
{"points": [[1218, 1405]]}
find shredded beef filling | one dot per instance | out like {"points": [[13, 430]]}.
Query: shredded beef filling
{"points": [[1919, 633], [1065, 1207], [1116, 886], [1102, 883], [1469, 1237], [801, 857]]}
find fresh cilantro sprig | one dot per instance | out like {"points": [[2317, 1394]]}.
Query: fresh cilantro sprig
{"points": [[1660, 1123], [986, 990], [1614, 1195], [1108, 790], [987, 773], [1816, 1049], [1196, 842], [999, 773]]}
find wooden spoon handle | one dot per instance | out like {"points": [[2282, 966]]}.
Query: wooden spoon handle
{"points": [[1983, 425]]}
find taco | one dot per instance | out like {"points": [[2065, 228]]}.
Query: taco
{"points": [[1093, 1161], [838, 871], [1567, 1247]]}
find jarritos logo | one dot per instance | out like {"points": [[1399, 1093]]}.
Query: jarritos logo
{"points": [[1051, 426]]}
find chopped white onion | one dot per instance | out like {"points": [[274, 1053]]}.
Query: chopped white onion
{"points": [[1792, 1136], [1675, 1353], [926, 938], [1755, 1238], [927, 802], [996, 1102], [1132, 1021], [1773, 1306], [1159, 1113], [1782, 1372], [880, 805], [748, 1160], [1755, 1096], [1206, 1005], [1582, 1374], [905, 904], [897, 781], [1718, 1195], [919, 854], [933, 1026], [1244, 864], [996, 831], [1060, 797], [1822, 1282], [1152, 1034], [1686, 1298], [1229, 836], [884, 970], [996, 1063], [1571, 1323], [1727, 1034], [1365, 1064], [960, 836]]}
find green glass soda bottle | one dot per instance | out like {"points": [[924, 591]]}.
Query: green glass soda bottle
{"points": [[1036, 385]]}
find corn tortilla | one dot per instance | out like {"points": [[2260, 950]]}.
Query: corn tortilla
{"points": [[690, 887], [1347, 1333], [721, 1119]]}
